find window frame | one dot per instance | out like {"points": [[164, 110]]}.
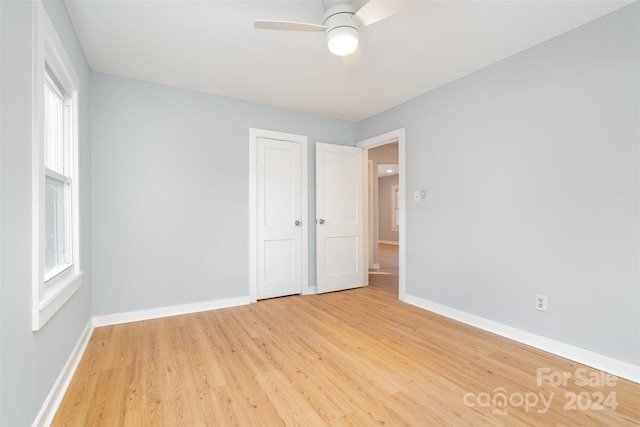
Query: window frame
{"points": [[50, 57], [395, 207], [60, 171]]}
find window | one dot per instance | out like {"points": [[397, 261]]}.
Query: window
{"points": [[395, 207], [58, 232], [56, 262]]}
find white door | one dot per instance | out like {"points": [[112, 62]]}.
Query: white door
{"points": [[279, 218], [339, 217]]}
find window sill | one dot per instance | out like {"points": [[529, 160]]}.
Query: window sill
{"points": [[54, 298], [56, 272]]}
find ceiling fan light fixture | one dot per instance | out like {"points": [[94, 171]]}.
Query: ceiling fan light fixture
{"points": [[343, 41]]}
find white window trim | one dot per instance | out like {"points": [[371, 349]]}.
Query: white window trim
{"points": [[48, 48], [394, 224]]}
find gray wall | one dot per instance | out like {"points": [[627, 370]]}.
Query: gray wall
{"points": [[385, 205], [531, 168], [31, 361], [170, 192]]}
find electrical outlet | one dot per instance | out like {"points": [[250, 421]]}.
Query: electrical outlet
{"points": [[541, 302]]}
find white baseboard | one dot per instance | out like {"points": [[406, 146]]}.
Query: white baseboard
{"points": [[155, 313], [311, 290], [54, 398], [389, 242], [598, 361]]}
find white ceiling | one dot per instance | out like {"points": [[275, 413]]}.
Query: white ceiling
{"points": [[212, 47], [387, 170]]}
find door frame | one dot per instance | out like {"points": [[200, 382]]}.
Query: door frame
{"points": [[254, 134], [376, 141]]}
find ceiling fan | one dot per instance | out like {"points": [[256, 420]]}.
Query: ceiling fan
{"points": [[342, 21]]}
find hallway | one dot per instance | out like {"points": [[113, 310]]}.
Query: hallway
{"points": [[386, 278]]}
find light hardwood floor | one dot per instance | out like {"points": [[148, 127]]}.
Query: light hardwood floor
{"points": [[357, 357]]}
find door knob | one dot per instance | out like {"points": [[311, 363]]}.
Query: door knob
{"points": [[296, 223], [321, 221]]}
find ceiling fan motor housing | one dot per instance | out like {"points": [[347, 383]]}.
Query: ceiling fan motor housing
{"points": [[342, 30], [340, 16]]}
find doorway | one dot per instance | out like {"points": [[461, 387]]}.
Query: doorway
{"points": [[372, 235], [386, 277]]}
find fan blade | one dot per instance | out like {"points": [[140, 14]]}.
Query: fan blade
{"points": [[288, 25], [354, 63], [377, 10]]}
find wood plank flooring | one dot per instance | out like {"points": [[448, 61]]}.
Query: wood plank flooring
{"points": [[358, 357]]}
